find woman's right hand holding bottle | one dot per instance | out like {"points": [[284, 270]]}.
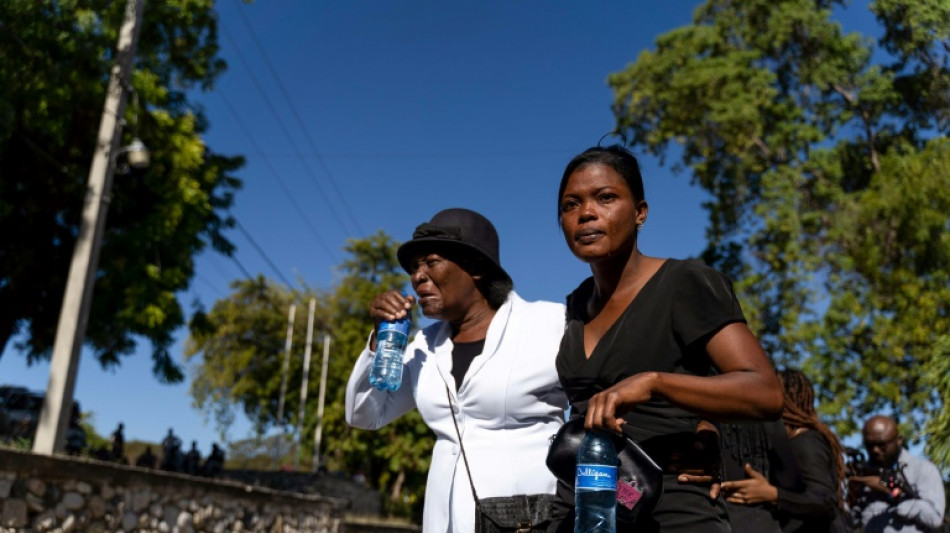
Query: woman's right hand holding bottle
{"points": [[389, 306]]}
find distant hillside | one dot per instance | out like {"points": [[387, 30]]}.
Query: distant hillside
{"points": [[135, 448]]}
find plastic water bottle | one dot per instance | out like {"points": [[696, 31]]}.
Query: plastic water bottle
{"points": [[595, 487], [391, 341]]}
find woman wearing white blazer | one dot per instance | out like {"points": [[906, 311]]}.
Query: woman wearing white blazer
{"points": [[493, 351]]}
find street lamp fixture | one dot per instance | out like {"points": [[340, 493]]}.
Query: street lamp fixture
{"points": [[137, 156], [137, 153]]}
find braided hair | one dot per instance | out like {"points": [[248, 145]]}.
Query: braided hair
{"points": [[800, 412]]}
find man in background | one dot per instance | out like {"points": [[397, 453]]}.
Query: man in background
{"points": [[117, 443], [899, 492]]}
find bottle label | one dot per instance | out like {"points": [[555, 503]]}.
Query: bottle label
{"points": [[596, 477]]}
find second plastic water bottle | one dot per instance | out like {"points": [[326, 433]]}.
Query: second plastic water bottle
{"points": [[391, 341], [595, 487]]}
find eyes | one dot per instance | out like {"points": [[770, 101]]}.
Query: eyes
{"points": [[570, 202], [430, 261]]}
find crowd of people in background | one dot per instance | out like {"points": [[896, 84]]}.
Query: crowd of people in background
{"points": [[173, 459], [798, 480]]}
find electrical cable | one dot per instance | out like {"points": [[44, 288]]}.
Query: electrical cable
{"points": [[280, 123], [422, 155], [241, 267], [273, 171], [211, 285], [260, 252], [296, 115]]}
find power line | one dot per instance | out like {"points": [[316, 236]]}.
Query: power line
{"points": [[217, 266], [283, 128], [296, 115], [211, 285], [442, 155], [241, 268], [261, 253], [283, 185]]}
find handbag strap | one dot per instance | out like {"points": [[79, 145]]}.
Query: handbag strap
{"points": [[464, 457]]}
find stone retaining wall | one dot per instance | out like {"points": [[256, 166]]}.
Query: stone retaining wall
{"points": [[64, 494], [364, 501]]}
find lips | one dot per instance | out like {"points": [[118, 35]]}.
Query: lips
{"points": [[586, 236], [425, 296]]}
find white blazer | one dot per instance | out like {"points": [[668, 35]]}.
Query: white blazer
{"points": [[508, 407]]}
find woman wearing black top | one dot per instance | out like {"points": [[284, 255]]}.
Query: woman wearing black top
{"points": [[815, 506], [651, 345]]}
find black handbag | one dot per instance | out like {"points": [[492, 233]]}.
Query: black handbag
{"points": [[639, 478], [520, 513]]}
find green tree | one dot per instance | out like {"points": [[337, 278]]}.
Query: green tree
{"points": [[55, 58], [238, 349], [257, 453], [241, 347], [826, 160], [94, 441], [937, 427]]}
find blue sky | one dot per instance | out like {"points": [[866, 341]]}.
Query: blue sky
{"points": [[360, 116]]}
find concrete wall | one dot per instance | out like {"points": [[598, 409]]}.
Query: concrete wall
{"points": [[62, 495]]}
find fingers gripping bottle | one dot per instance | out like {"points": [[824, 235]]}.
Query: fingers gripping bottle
{"points": [[595, 487], [391, 341]]}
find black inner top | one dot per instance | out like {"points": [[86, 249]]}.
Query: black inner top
{"points": [[462, 355]]}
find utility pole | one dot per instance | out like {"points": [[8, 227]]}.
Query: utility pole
{"points": [[318, 434], [283, 386], [74, 315], [303, 382]]}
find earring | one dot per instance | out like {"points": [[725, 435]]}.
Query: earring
{"points": [[639, 227]]}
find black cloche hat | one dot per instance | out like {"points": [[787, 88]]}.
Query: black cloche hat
{"points": [[453, 229]]}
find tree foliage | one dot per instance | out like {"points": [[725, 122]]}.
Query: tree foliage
{"points": [[238, 350], [826, 160], [55, 59], [937, 375], [241, 344]]}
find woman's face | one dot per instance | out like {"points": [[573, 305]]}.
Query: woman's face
{"points": [[445, 291], [599, 214]]}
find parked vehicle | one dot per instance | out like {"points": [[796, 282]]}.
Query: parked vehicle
{"points": [[20, 410]]}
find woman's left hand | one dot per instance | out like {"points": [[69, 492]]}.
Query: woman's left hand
{"points": [[703, 466], [754, 489], [604, 409]]}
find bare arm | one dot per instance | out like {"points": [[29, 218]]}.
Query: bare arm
{"points": [[745, 389]]}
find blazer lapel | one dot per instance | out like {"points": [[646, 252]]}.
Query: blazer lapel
{"points": [[442, 349], [496, 332]]}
